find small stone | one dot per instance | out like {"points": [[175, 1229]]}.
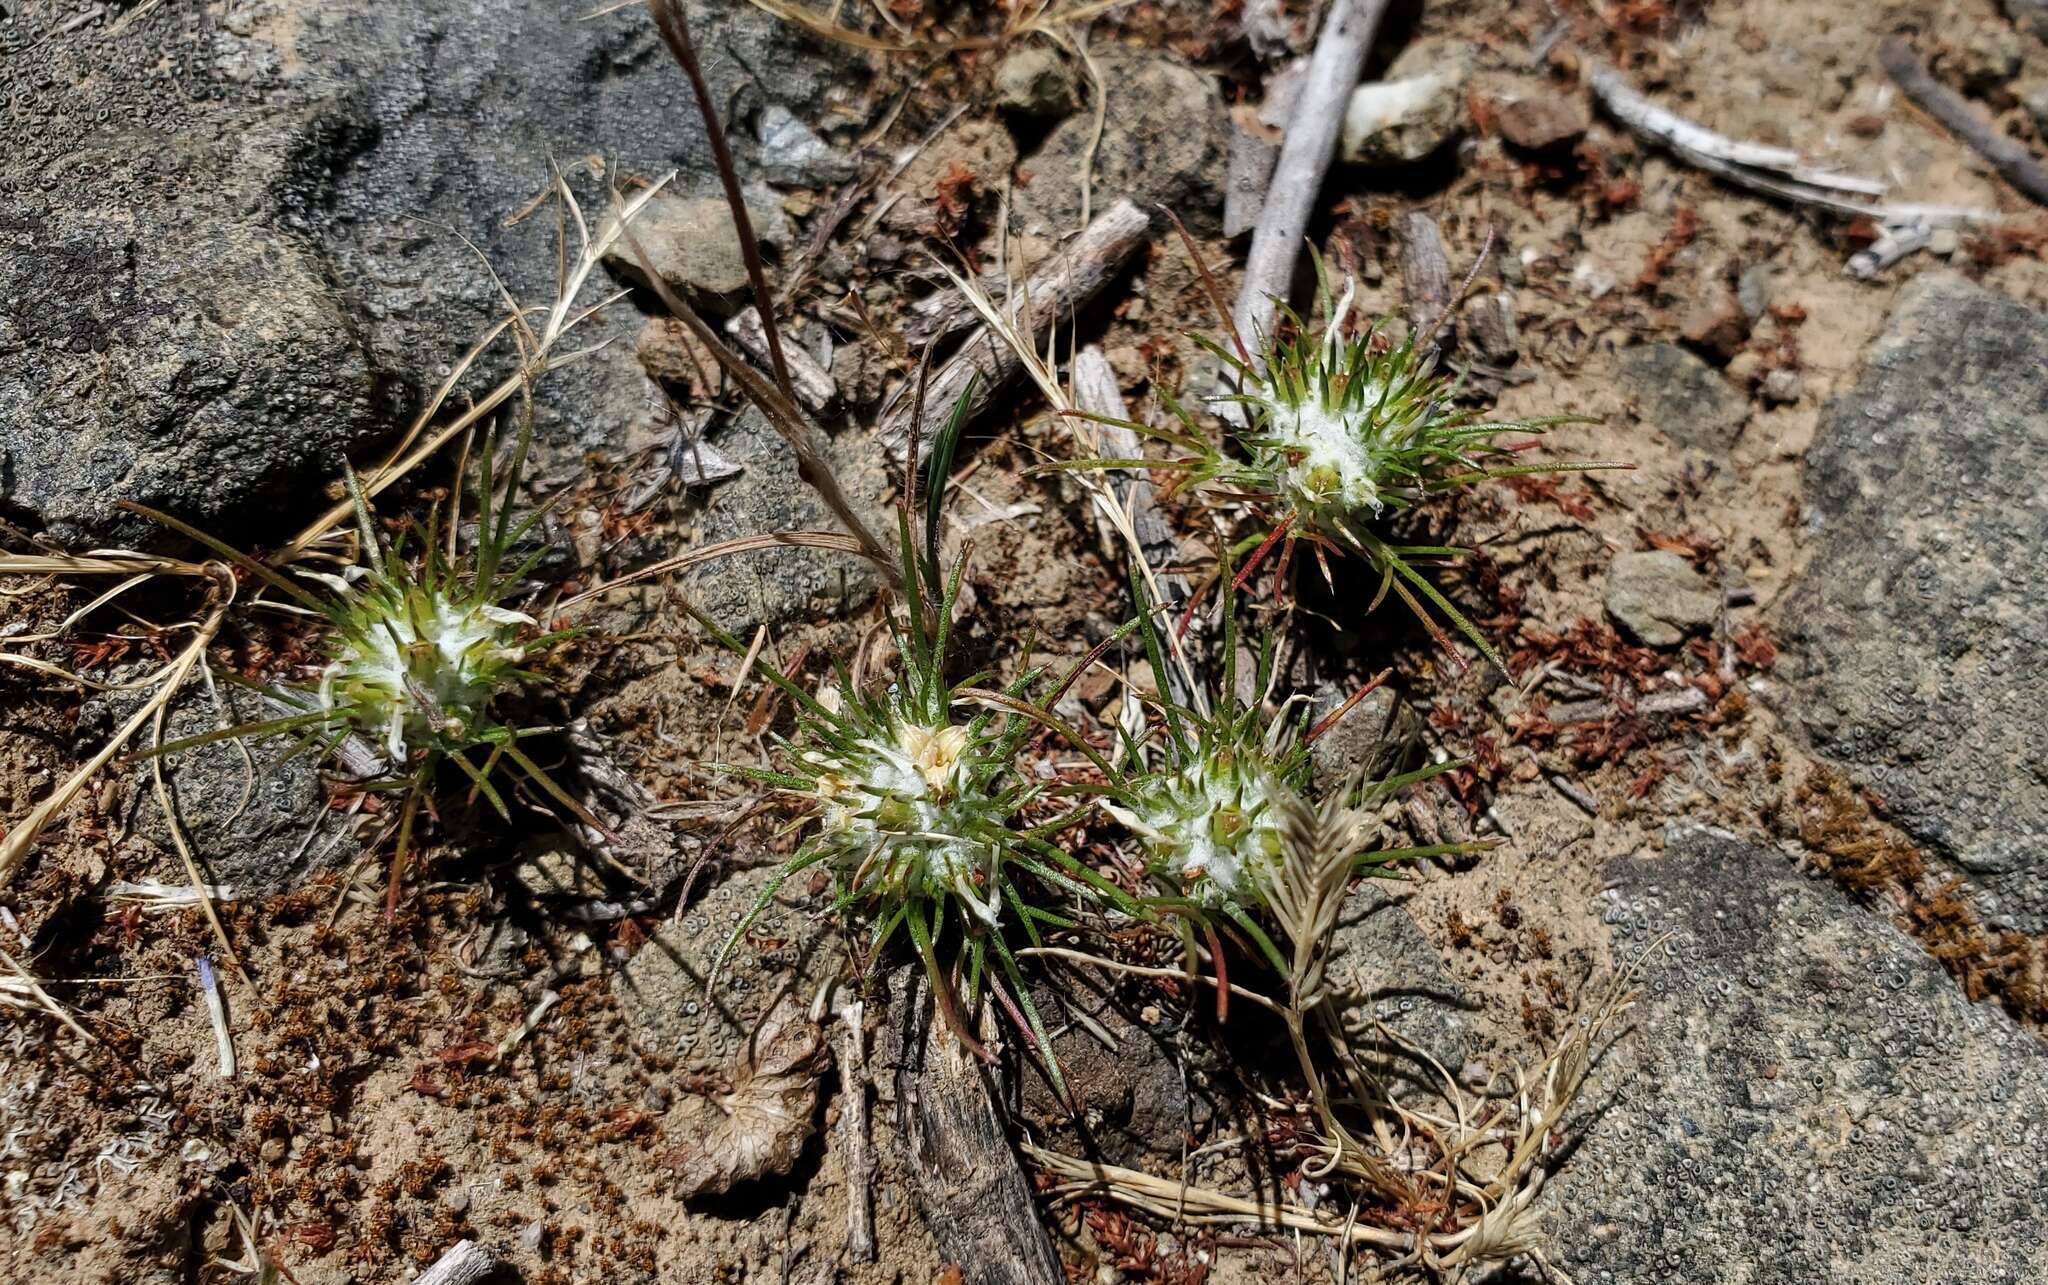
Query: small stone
{"points": [[1035, 81], [1782, 387], [1541, 122], [1414, 111], [1753, 290], [795, 155], [1745, 369], [2034, 97], [692, 245], [1658, 597], [1988, 56], [554, 871], [1943, 241], [1489, 328], [1681, 396], [1717, 325]]}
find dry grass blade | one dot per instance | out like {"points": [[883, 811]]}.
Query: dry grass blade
{"points": [[537, 358], [27, 982], [15, 847], [828, 541]]}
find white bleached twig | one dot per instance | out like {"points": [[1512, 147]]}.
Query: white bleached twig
{"points": [[1305, 154], [1781, 172], [464, 1264]]}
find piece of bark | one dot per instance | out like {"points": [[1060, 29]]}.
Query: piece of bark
{"points": [[1305, 156], [1489, 329], [2008, 156], [1252, 157], [1096, 391], [985, 361], [465, 1264], [848, 1036], [969, 1184], [813, 383], [1425, 272]]}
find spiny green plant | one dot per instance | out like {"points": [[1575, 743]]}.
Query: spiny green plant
{"points": [[912, 794], [1213, 802], [421, 646], [1332, 436]]}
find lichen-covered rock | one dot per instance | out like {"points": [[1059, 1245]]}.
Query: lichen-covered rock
{"points": [[1919, 634], [232, 243], [1164, 142], [1681, 396], [663, 989], [1658, 597], [1805, 1095]]}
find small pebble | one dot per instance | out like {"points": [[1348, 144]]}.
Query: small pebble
{"points": [[1783, 387], [1943, 242]]}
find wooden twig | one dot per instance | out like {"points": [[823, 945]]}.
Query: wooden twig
{"points": [[847, 1050], [1096, 391], [985, 361], [1425, 271], [974, 1195], [814, 386], [1305, 155], [1774, 171], [2012, 160], [1250, 173], [465, 1264]]}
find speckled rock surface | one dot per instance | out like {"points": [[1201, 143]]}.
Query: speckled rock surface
{"points": [[1805, 1096], [232, 244], [662, 990], [1919, 632], [1681, 396]]}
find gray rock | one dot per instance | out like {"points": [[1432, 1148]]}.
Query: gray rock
{"points": [[254, 812], [778, 585], [1392, 973], [795, 155], [1165, 141], [1919, 638], [2030, 15], [1804, 1095], [1658, 597], [662, 991], [1413, 111], [1378, 737], [1034, 80], [1681, 397], [229, 248]]}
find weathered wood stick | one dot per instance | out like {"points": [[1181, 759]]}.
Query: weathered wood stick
{"points": [[814, 385], [1425, 271], [847, 1050], [1096, 391], [1305, 155], [2011, 159], [986, 361], [1773, 171], [973, 1192], [465, 1264]]}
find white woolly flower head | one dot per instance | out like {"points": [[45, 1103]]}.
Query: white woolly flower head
{"points": [[901, 812], [1212, 824], [413, 665]]}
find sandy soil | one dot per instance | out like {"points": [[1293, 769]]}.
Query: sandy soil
{"points": [[373, 1122]]}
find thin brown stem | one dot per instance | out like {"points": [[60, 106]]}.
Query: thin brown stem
{"points": [[674, 26]]}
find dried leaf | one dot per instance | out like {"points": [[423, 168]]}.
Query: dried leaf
{"points": [[760, 1127]]}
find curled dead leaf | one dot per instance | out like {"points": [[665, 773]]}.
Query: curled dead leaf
{"points": [[760, 1127]]}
